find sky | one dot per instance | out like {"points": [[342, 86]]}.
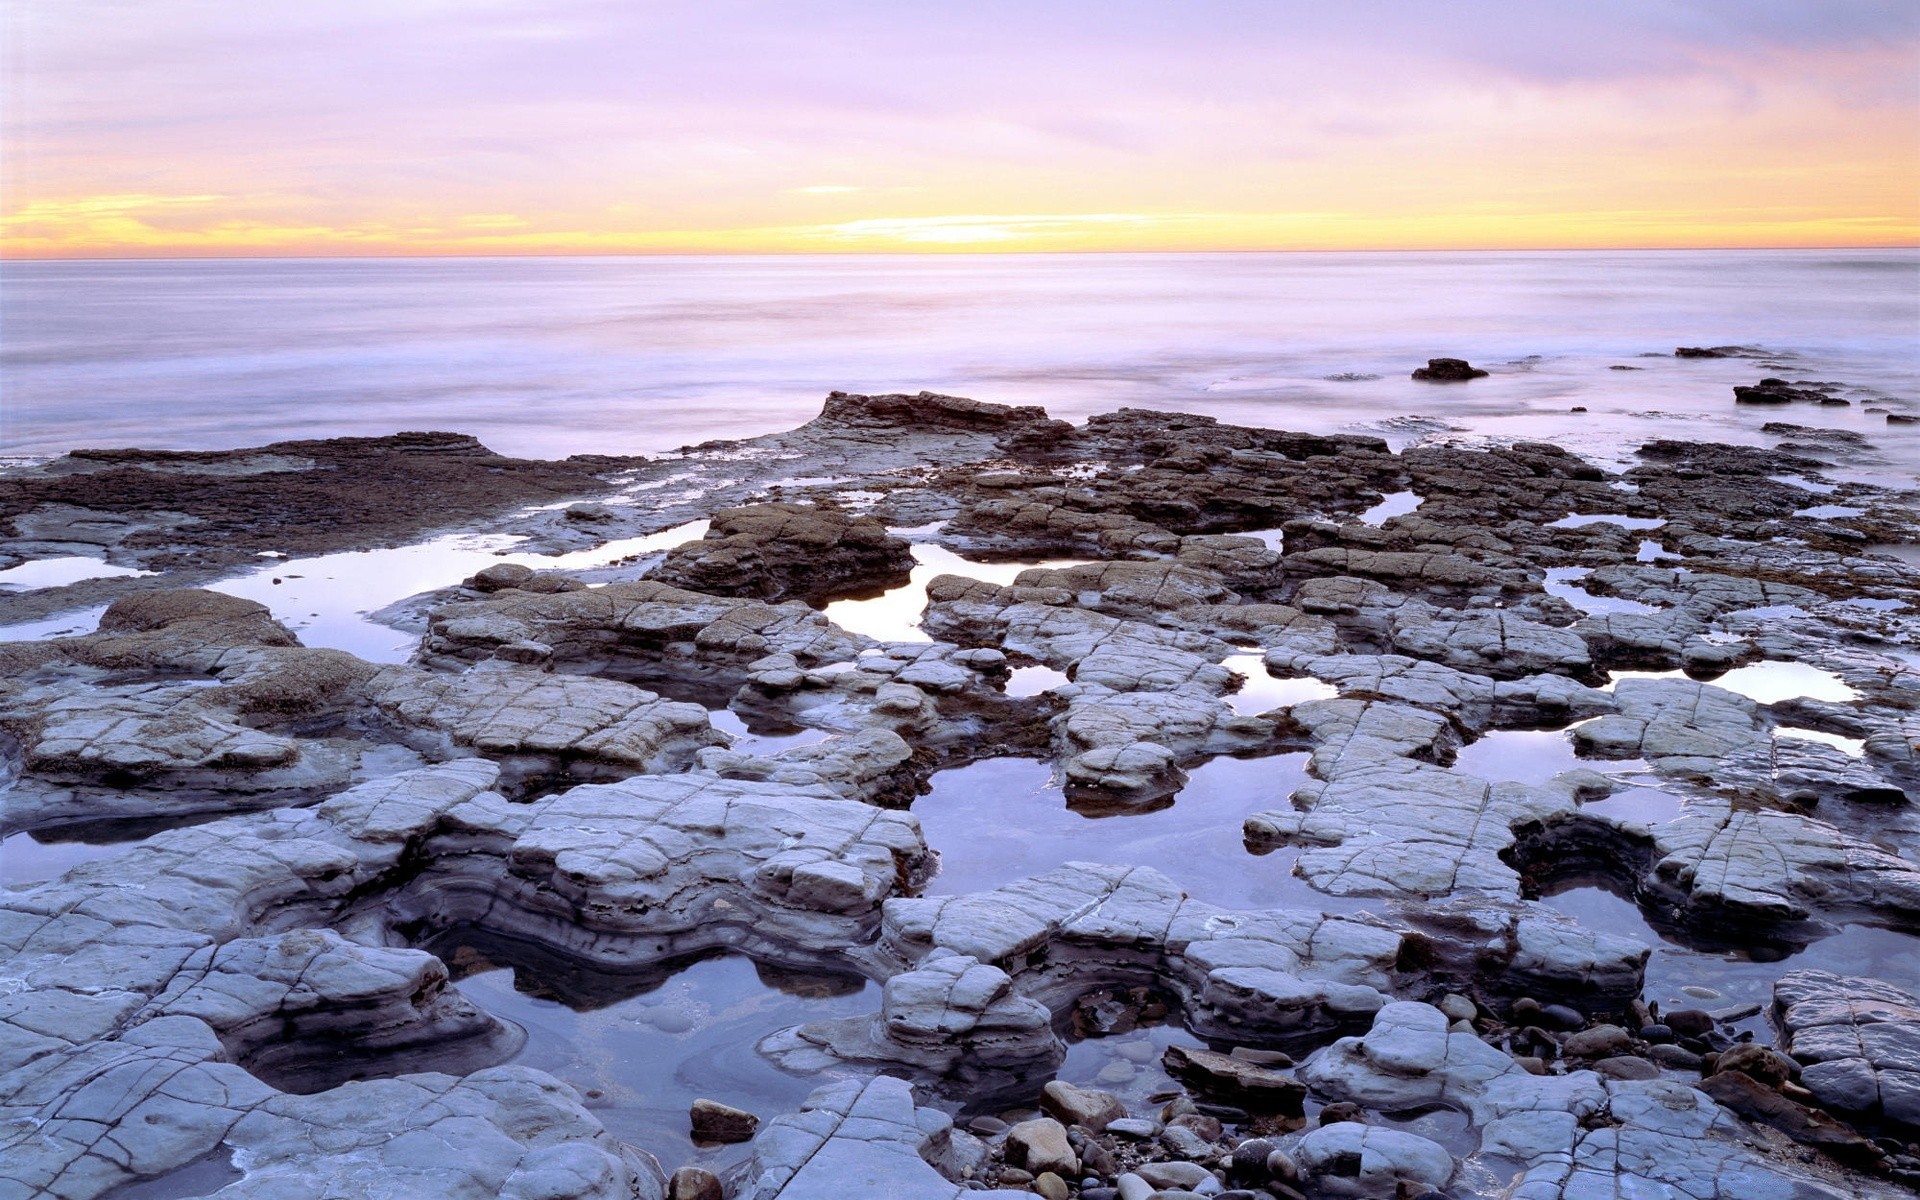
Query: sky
{"points": [[161, 128]]}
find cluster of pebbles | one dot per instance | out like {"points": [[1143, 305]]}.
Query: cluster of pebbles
{"points": [[238, 1002]]}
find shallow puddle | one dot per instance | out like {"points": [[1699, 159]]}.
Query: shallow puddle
{"points": [[894, 615], [1577, 520], [1031, 681], [72, 623], [766, 739], [26, 859], [1653, 552], [1853, 747], [1560, 583], [1768, 682], [201, 1177], [1830, 512], [1646, 805], [59, 572], [1263, 693], [1762, 682], [1004, 819], [1531, 756], [642, 1048], [1736, 976], [1396, 504]]}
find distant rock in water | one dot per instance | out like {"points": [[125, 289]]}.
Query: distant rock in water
{"points": [[1703, 352], [1779, 391], [1351, 377], [1448, 370]]}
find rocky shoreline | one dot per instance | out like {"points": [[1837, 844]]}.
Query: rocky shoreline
{"points": [[669, 754]]}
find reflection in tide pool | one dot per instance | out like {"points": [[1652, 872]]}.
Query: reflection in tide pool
{"points": [[1577, 520], [1033, 680], [641, 1049], [1855, 747], [325, 599], [59, 572], [1560, 583], [1003, 819], [894, 615], [1396, 504], [1762, 682], [1530, 756], [1735, 976], [768, 741], [1263, 692], [25, 858]]}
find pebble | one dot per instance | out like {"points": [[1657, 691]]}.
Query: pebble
{"points": [[1250, 1160], [1139, 1052], [1656, 1034], [1602, 1041], [1134, 1127], [1342, 1110], [1676, 1057], [1696, 992], [1051, 1186], [667, 1020], [1181, 1140], [1132, 1187], [1559, 1016], [1458, 1007], [1689, 1022], [1262, 1058], [1175, 1174], [987, 1126], [1626, 1067], [1116, 1073]]}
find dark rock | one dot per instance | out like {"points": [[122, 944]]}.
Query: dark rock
{"points": [[1560, 1016], [1448, 370], [1749, 1098], [716, 1122], [1689, 1022], [1343, 1110], [781, 551], [1257, 1088], [694, 1183]]}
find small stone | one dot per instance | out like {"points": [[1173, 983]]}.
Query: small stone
{"points": [[1696, 992], [1051, 1186], [1602, 1041], [1281, 1168], [1139, 1128], [1041, 1145], [1448, 370], [1626, 1067], [1132, 1187], [1087, 1107], [1688, 1022], [987, 1126], [1656, 1033], [1262, 1058], [1258, 1088], [694, 1183], [1016, 1176], [1187, 1175], [1765, 1065], [1250, 1160], [1184, 1141], [1674, 1057], [1116, 1073], [1458, 1007], [1560, 1016], [1342, 1110], [716, 1122]]}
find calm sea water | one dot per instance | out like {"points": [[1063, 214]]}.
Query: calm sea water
{"points": [[550, 356]]}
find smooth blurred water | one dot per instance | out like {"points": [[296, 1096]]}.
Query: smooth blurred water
{"points": [[550, 356]]}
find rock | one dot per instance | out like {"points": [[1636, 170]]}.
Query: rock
{"points": [[1167, 1175], [716, 1122], [1342, 1110], [1856, 1041], [1184, 1141], [1458, 1007], [1250, 1160], [499, 576], [1676, 1058], [1756, 1101], [1350, 1159], [694, 1183], [854, 1139], [1086, 1107], [1051, 1186], [1626, 1067], [1601, 1041], [1448, 370], [1687, 1022], [1041, 1145], [1137, 1128], [1257, 1088], [776, 551], [1763, 1064]]}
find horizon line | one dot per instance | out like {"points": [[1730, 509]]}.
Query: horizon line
{"points": [[952, 252]]}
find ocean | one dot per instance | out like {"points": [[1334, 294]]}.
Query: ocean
{"points": [[554, 356]]}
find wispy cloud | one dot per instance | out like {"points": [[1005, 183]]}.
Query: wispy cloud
{"points": [[463, 125]]}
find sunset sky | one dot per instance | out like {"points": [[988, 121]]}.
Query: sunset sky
{"points": [[242, 127]]}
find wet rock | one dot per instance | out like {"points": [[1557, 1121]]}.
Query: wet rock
{"points": [[853, 1138], [694, 1183], [1601, 1041], [1448, 370], [1041, 1145], [717, 1122], [1348, 1159], [1757, 1102], [499, 576], [1086, 1107], [1856, 1040], [1223, 1075], [777, 551]]}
